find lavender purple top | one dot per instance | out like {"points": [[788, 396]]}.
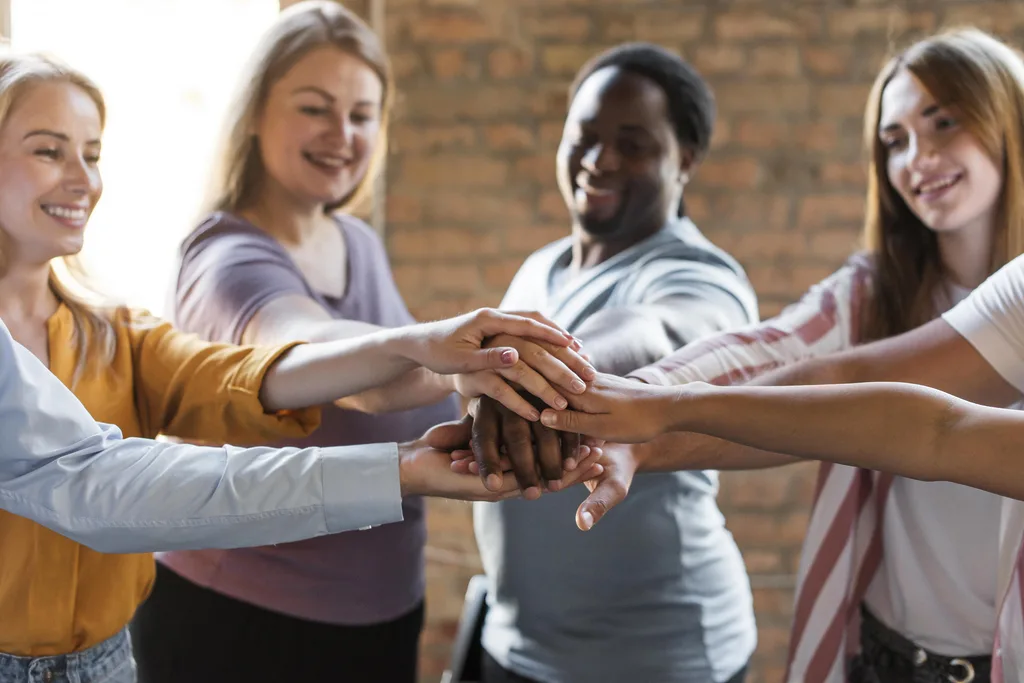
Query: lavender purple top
{"points": [[228, 270]]}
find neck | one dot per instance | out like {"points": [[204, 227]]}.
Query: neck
{"points": [[589, 251], [25, 295], [967, 255], [278, 213]]}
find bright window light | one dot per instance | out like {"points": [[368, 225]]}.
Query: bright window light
{"points": [[166, 68]]}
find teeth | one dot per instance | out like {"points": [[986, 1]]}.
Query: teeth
{"points": [[327, 160], [937, 184], [64, 212]]}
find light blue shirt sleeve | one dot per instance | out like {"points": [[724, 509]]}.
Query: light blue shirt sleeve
{"points": [[62, 469]]}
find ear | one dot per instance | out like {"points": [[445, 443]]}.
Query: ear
{"points": [[687, 165]]}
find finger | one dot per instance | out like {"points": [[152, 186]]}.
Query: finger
{"points": [[498, 389], [484, 443], [570, 454], [462, 453], [534, 383], [608, 493], [572, 421], [489, 359], [551, 362], [519, 326], [576, 475], [448, 436], [576, 362], [549, 451], [517, 440]]}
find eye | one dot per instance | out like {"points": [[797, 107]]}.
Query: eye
{"points": [[945, 123], [92, 159], [892, 143], [630, 147], [361, 118], [314, 111], [48, 152]]}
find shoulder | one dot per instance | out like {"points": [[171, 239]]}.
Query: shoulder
{"points": [[227, 235]]}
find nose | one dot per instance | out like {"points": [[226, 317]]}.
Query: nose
{"points": [[922, 154], [600, 158], [79, 176], [343, 129]]}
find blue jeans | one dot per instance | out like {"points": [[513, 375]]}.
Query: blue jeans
{"points": [[108, 662]]}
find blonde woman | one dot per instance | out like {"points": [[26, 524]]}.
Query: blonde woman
{"points": [[920, 568], [64, 607], [278, 259]]}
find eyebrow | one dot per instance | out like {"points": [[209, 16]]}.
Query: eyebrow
{"points": [[928, 111], [54, 134]]}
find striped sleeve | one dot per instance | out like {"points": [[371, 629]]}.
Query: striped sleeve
{"points": [[823, 321]]}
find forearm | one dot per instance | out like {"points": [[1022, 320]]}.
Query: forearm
{"points": [[414, 389], [891, 427], [313, 374], [687, 450]]}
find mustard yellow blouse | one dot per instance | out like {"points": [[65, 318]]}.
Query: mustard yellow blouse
{"points": [[57, 596]]}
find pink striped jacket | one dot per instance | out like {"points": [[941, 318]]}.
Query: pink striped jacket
{"points": [[843, 546]]}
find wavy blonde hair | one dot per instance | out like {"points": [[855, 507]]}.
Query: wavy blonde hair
{"points": [[95, 319], [300, 29], [982, 80]]}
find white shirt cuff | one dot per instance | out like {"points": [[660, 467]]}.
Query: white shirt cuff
{"points": [[361, 486]]}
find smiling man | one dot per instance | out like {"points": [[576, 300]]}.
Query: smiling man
{"points": [[662, 595]]}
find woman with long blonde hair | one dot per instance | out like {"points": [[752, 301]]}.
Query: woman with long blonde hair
{"points": [[278, 258], [64, 607], [919, 565]]}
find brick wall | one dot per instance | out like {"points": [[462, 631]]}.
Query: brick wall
{"points": [[471, 188]]}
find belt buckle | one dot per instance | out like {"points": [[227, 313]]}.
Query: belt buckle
{"points": [[967, 668]]}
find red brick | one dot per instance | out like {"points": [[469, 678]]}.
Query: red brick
{"points": [[716, 60], [479, 209], [698, 208], [739, 173], [839, 173], [549, 100], [563, 26], [403, 209], [408, 138], [505, 136], [451, 170], [762, 561], [998, 17], [448, 64], [538, 169], [827, 61], [753, 245], [757, 489], [848, 23], [441, 244], [454, 28], [785, 283], [721, 135], [405, 65], [842, 100], [551, 205], [507, 62], [764, 98], [777, 602], [818, 136], [433, 103], [775, 61], [498, 274], [565, 60], [834, 244], [749, 24], [526, 240], [453, 278], [753, 211], [551, 133], [762, 134], [820, 211], [773, 641], [656, 26]]}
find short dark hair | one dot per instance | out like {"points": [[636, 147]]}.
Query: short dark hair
{"points": [[691, 105]]}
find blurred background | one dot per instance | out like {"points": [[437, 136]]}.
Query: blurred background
{"points": [[469, 187]]}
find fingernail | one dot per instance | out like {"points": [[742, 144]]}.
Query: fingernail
{"points": [[569, 464], [508, 356], [553, 484], [534, 416], [561, 403], [493, 482], [532, 493], [590, 372], [547, 419], [588, 520], [578, 386]]}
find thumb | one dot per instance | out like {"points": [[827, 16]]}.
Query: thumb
{"points": [[449, 436], [608, 493], [568, 421]]}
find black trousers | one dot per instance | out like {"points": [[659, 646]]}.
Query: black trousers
{"points": [[185, 633], [495, 673]]}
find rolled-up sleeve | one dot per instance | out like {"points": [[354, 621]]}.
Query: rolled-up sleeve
{"points": [[61, 469]]}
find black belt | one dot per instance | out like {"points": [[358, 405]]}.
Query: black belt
{"points": [[884, 651]]}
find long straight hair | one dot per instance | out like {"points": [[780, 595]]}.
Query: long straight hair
{"points": [[982, 79]]}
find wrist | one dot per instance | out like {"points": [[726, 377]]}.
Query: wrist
{"points": [[682, 407], [406, 485]]}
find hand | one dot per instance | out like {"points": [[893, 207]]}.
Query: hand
{"points": [[610, 488], [541, 368], [425, 467], [454, 345], [615, 409], [528, 447]]}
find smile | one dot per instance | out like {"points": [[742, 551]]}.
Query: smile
{"points": [[67, 213]]}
